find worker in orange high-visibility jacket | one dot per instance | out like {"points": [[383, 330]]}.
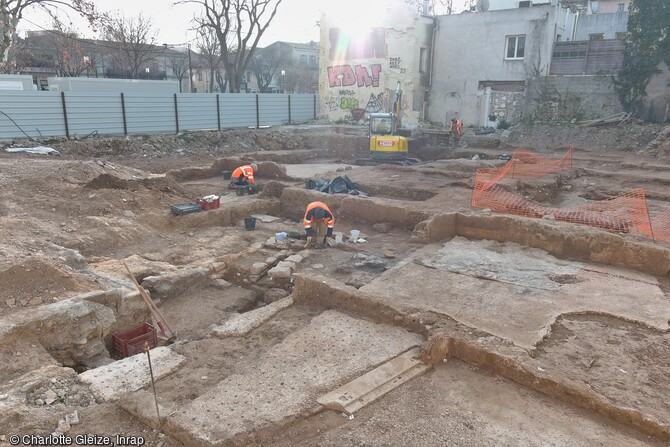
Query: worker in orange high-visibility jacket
{"points": [[244, 176], [455, 130], [319, 223]]}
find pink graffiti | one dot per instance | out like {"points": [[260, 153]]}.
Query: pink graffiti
{"points": [[357, 114], [346, 75]]}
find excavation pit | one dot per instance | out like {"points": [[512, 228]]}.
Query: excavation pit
{"points": [[549, 315]]}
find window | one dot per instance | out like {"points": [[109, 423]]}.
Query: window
{"points": [[597, 36], [621, 7], [515, 47], [312, 60], [303, 58]]}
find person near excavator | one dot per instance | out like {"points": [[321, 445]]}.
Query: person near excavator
{"points": [[455, 130], [319, 222], [244, 176]]}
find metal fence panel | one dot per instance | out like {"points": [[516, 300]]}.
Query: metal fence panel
{"points": [[38, 114], [94, 112], [302, 108], [273, 109], [150, 112], [197, 111], [238, 110]]}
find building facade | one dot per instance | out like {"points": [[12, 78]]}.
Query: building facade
{"points": [[482, 61], [361, 69]]}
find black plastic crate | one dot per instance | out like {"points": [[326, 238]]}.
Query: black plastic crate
{"points": [[185, 208]]}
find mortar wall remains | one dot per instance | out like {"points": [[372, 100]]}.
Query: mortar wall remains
{"points": [[378, 211], [555, 99], [563, 240]]}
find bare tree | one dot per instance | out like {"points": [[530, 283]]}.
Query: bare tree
{"points": [[434, 7], [221, 80], [209, 49], [470, 5], [179, 66], [300, 77], [70, 59], [11, 13], [266, 62], [136, 41], [19, 57], [247, 20]]}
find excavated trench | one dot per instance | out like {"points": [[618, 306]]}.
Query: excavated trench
{"points": [[253, 271]]}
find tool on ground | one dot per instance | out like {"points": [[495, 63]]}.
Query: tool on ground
{"points": [[155, 312], [153, 383]]}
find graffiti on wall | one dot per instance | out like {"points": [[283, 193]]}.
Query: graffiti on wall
{"points": [[359, 75], [333, 102], [374, 103], [396, 63]]}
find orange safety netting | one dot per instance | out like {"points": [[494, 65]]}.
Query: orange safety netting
{"points": [[624, 213], [661, 226]]}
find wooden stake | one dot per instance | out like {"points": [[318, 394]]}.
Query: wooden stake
{"points": [[153, 383], [152, 306]]}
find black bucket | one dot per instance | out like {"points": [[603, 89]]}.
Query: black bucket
{"points": [[227, 174], [240, 190], [250, 223]]}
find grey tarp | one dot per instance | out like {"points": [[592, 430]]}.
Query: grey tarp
{"points": [[339, 185]]}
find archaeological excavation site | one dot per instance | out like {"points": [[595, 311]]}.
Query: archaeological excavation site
{"points": [[513, 291]]}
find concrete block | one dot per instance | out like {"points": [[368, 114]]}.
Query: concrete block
{"points": [[171, 284], [283, 269], [129, 303], [242, 324], [367, 388], [111, 381], [258, 267], [295, 258]]}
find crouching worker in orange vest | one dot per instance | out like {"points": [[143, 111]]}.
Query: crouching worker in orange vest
{"points": [[244, 176], [319, 223]]}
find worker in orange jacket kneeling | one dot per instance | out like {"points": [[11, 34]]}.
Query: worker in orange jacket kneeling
{"points": [[319, 223], [244, 177]]}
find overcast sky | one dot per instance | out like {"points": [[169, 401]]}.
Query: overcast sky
{"points": [[296, 20]]}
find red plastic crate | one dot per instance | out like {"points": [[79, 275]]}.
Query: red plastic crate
{"points": [[209, 205], [132, 342]]}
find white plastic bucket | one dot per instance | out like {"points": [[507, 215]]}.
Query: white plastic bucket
{"points": [[354, 235]]}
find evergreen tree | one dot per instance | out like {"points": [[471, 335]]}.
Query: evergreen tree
{"points": [[647, 44]]}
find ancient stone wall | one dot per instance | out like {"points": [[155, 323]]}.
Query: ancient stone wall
{"points": [[507, 106], [562, 99]]}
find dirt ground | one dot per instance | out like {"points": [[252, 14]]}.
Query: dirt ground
{"points": [[68, 220]]}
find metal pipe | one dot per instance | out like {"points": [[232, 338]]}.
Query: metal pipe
{"points": [[123, 113], [67, 129]]}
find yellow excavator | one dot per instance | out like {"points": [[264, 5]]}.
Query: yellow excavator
{"points": [[386, 145]]}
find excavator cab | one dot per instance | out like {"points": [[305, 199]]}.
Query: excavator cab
{"points": [[385, 144]]}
